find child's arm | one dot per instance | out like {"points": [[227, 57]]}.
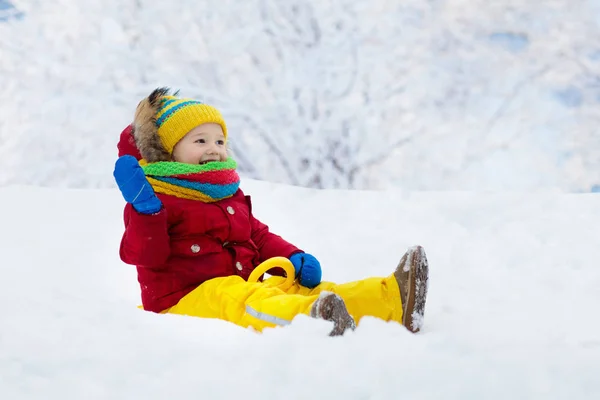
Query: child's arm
{"points": [[269, 244], [146, 238], [308, 268]]}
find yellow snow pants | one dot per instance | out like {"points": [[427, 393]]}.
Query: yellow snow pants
{"points": [[277, 300]]}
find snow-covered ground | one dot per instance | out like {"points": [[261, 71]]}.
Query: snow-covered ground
{"points": [[512, 311]]}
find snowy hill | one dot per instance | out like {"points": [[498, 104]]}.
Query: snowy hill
{"points": [[512, 312], [413, 94]]}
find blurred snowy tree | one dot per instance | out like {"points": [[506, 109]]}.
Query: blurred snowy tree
{"points": [[449, 94], [314, 109]]}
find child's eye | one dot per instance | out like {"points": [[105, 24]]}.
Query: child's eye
{"points": [[200, 141], [220, 142]]}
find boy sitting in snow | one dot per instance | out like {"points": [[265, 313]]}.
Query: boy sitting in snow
{"points": [[190, 231]]}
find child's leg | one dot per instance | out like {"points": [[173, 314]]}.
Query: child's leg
{"points": [[259, 305], [376, 297], [245, 304], [400, 297]]}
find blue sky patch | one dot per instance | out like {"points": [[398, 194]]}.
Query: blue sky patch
{"points": [[513, 42], [8, 11], [571, 97]]}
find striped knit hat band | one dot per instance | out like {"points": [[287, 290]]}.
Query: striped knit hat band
{"points": [[176, 117]]}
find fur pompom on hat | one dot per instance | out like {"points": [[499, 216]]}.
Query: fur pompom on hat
{"points": [[161, 120]]}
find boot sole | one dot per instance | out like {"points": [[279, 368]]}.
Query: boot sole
{"points": [[416, 296]]}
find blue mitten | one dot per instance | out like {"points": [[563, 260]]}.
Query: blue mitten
{"points": [[134, 186], [308, 269]]}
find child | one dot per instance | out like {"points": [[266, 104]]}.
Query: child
{"points": [[190, 231]]}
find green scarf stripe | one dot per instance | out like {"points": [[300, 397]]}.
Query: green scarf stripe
{"points": [[170, 168]]}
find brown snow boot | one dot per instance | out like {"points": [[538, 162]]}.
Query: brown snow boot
{"points": [[330, 307], [412, 275]]}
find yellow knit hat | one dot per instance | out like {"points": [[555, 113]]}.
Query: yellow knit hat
{"points": [[175, 117]]}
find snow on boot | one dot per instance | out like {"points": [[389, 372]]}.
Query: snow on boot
{"points": [[412, 275], [330, 307]]}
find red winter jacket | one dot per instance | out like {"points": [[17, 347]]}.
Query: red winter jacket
{"points": [[189, 242]]}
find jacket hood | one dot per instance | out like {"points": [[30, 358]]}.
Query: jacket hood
{"points": [[126, 145], [145, 132]]}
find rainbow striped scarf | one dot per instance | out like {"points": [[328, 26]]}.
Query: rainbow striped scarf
{"points": [[210, 182]]}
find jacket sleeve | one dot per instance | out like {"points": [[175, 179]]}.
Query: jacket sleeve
{"points": [[146, 241], [269, 244]]}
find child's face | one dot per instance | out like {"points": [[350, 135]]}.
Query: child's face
{"points": [[202, 144]]}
